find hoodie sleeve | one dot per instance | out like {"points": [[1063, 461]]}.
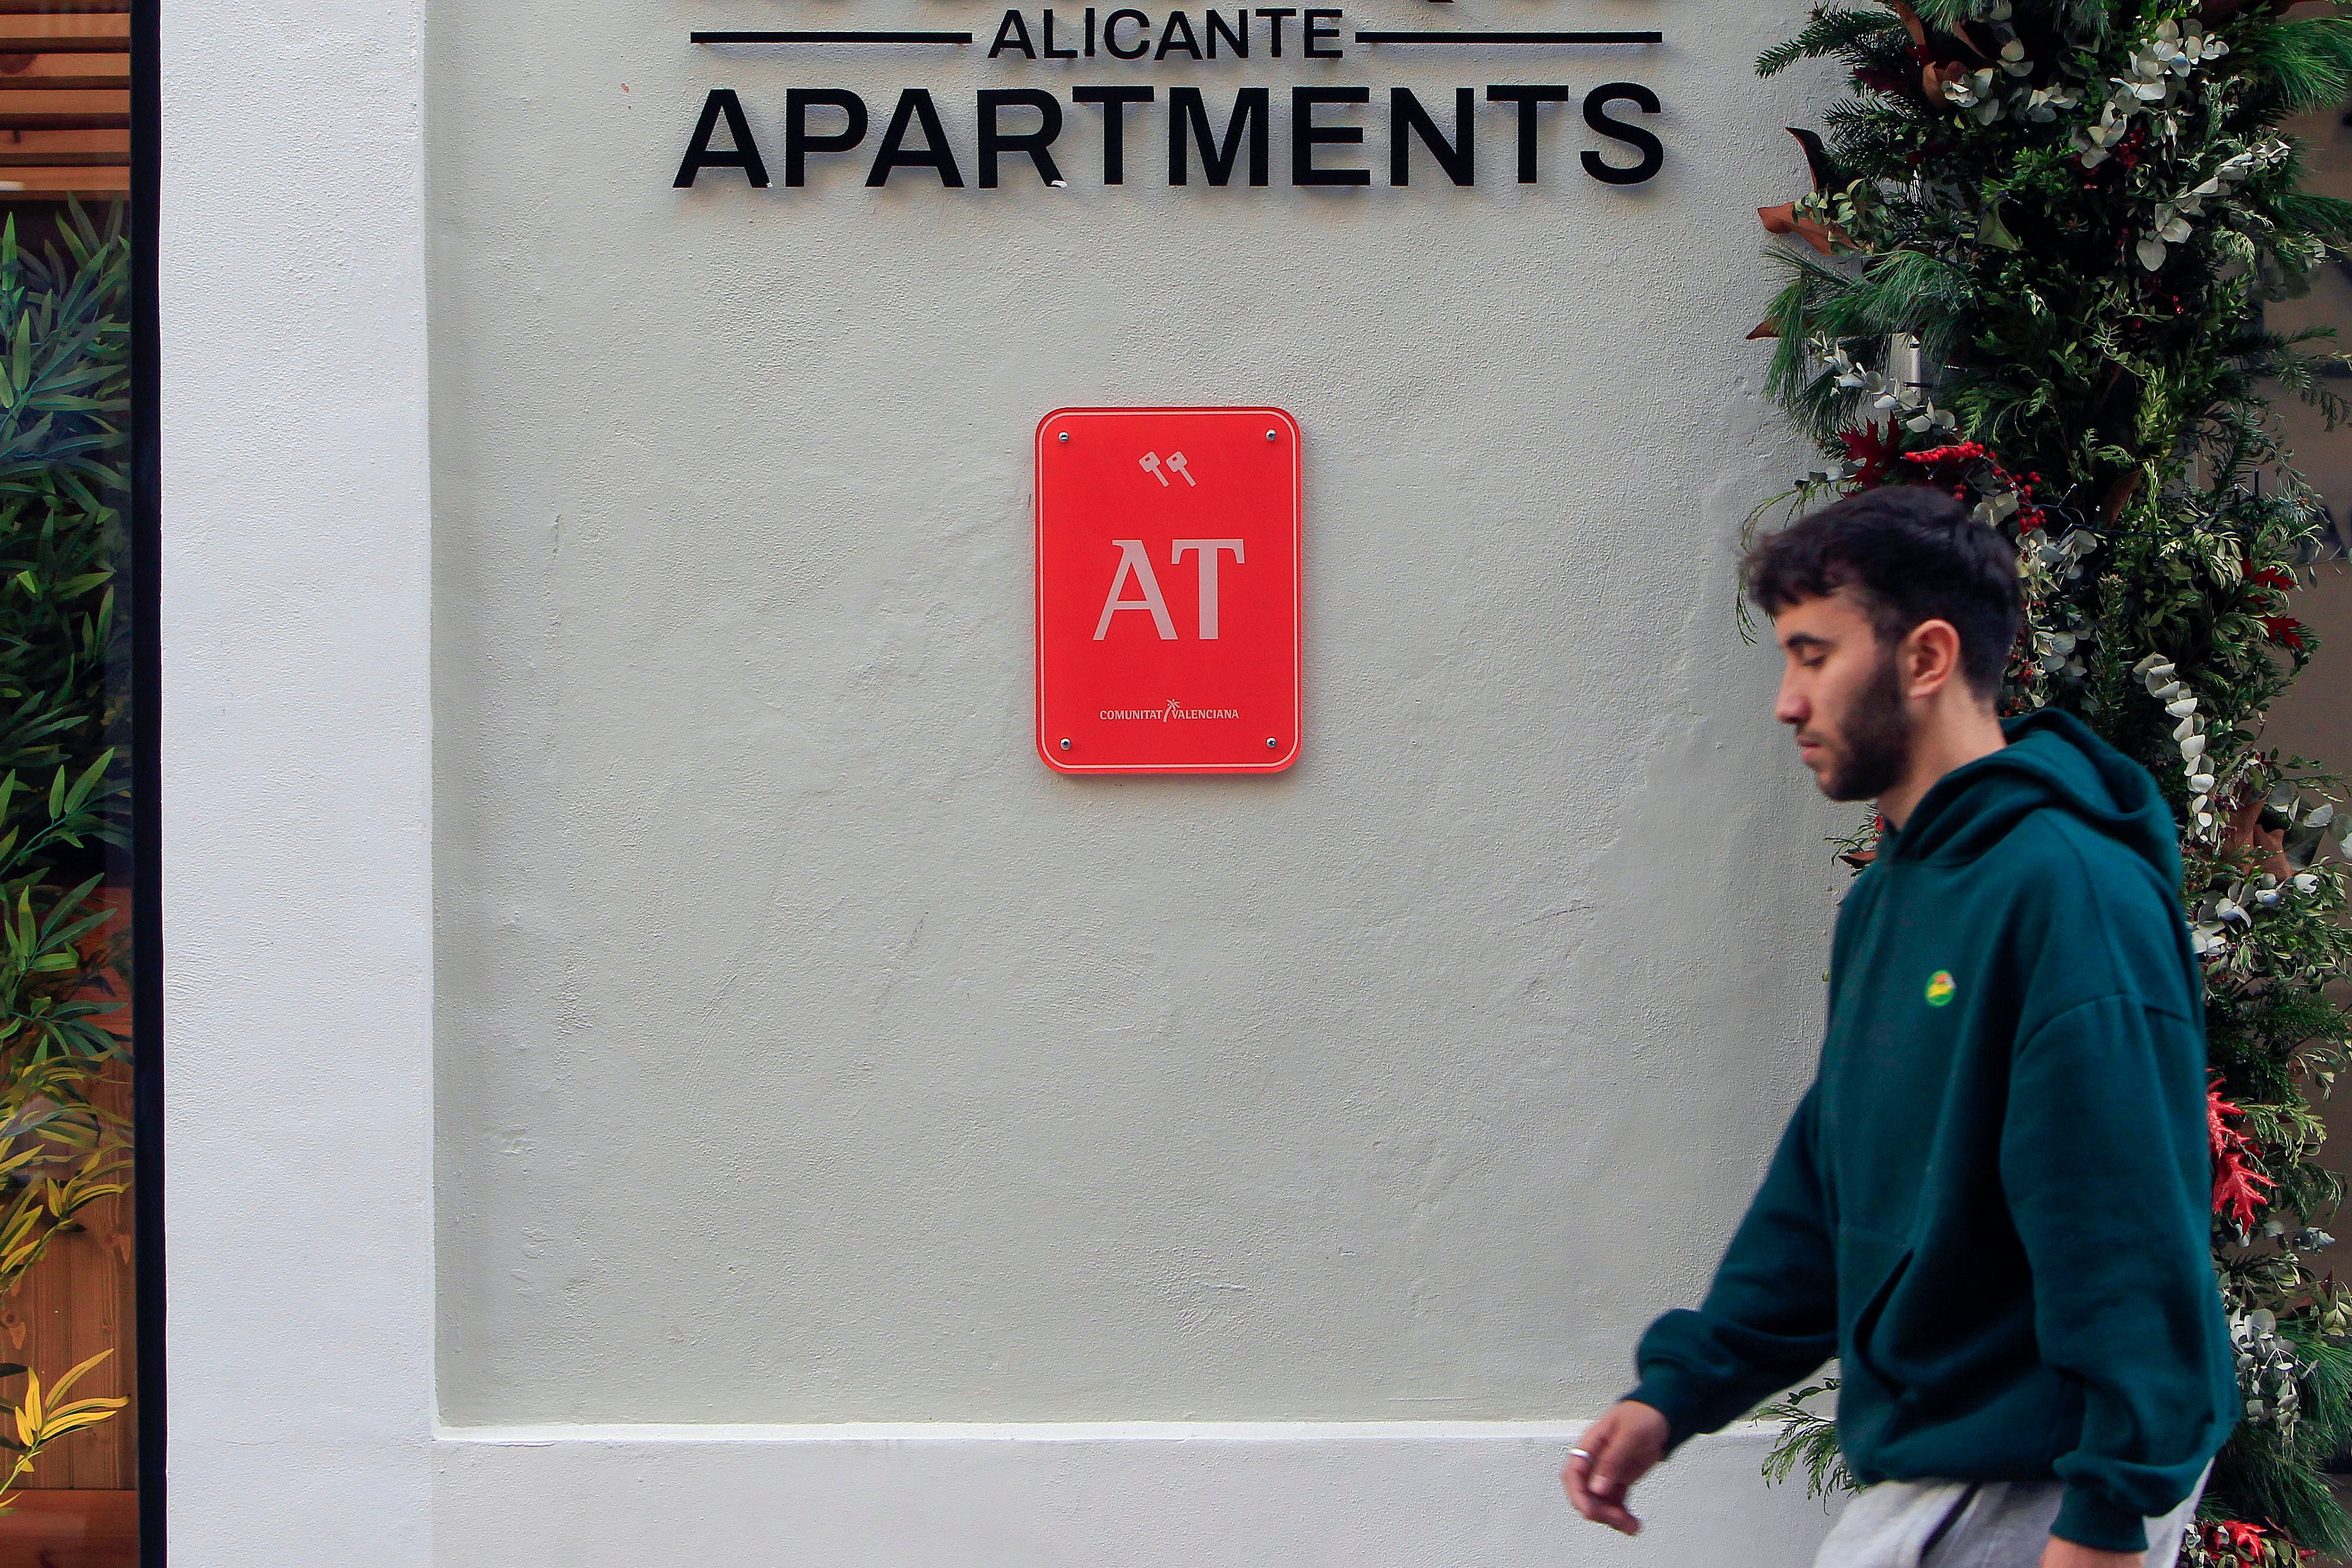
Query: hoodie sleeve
{"points": [[2114, 1223], [1771, 1316]]}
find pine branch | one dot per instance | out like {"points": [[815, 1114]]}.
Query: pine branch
{"points": [[1833, 31], [2302, 65], [1809, 1440]]}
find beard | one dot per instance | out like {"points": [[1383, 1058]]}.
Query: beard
{"points": [[1876, 742]]}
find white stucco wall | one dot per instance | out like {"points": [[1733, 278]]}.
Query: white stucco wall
{"points": [[296, 811], [1157, 1156], [806, 1050]]}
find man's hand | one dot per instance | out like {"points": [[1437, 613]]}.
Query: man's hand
{"points": [[1623, 1445], [2066, 1554]]}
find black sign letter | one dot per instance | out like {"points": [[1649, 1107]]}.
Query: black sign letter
{"points": [[1188, 121], [1110, 31], [1407, 119], [1114, 101], [1013, 33], [915, 104], [1596, 104], [1305, 135], [698, 155], [1168, 40], [1033, 143], [1526, 98], [799, 143]]}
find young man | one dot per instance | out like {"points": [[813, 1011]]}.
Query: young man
{"points": [[1991, 1205]]}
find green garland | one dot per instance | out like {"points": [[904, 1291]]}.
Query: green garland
{"points": [[2032, 270]]}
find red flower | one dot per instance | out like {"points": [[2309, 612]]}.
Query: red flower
{"points": [[2283, 630], [2236, 1187], [2241, 1541], [1871, 453]]}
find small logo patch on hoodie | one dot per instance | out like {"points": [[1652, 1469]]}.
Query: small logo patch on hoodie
{"points": [[1940, 988]]}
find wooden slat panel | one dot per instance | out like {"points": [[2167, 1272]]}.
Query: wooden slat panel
{"points": [[63, 120], [54, 183], [72, 1530], [46, 146], [78, 1300], [15, 43], [15, 159], [64, 7], [34, 82]]}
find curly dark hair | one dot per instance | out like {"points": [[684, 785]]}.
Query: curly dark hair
{"points": [[1910, 554]]}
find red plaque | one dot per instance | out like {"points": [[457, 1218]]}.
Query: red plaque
{"points": [[1168, 590]]}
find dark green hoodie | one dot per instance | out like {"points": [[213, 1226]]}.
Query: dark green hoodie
{"points": [[1993, 1204]]}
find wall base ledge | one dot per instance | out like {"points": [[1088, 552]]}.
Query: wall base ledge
{"points": [[1142, 1494]]}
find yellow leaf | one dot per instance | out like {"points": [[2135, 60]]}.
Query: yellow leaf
{"points": [[69, 1379], [58, 1426], [98, 1402]]}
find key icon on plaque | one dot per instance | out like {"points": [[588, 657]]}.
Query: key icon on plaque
{"points": [[1176, 466], [1151, 462]]}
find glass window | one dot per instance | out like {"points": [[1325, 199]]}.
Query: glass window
{"points": [[74, 1088]]}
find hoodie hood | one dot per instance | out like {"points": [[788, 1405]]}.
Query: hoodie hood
{"points": [[2053, 759]]}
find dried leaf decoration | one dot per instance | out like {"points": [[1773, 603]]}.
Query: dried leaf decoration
{"points": [[1786, 219]]}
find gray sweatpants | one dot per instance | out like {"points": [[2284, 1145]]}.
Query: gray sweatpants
{"points": [[1967, 1524]]}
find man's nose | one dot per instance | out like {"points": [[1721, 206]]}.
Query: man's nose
{"points": [[1792, 708]]}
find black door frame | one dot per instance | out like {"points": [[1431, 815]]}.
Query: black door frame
{"points": [[147, 777]]}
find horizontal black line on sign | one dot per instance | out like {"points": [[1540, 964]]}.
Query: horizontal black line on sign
{"points": [[1508, 37], [832, 37]]}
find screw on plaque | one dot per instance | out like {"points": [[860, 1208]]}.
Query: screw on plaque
{"points": [[1066, 435], [1065, 743], [1271, 742], [1269, 435], [1151, 464], [1176, 466]]}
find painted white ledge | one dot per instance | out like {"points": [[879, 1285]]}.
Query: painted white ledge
{"points": [[1088, 1495]]}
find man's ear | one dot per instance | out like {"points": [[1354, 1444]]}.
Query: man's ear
{"points": [[1930, 658]]}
